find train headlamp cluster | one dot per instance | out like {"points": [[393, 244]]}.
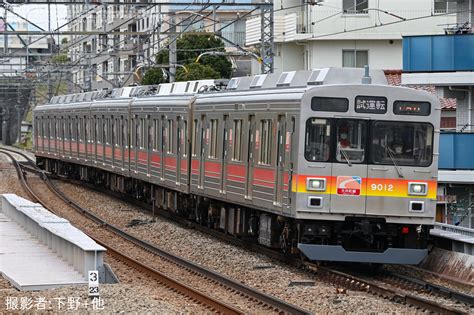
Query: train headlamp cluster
{"points": [[316, 184], [418, 189]]}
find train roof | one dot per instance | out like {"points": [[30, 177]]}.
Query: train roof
{"points": [[289, 81]]}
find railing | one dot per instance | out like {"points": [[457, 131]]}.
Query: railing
{"points": [[454, 229]]}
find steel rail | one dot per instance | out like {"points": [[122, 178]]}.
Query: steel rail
{"points": [[353, 282], [213, 304], [271, 301], [437, 289], [345, 279]]}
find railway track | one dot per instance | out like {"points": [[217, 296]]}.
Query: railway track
{"points": [[391, 288], [199, 284], [394, 290]]}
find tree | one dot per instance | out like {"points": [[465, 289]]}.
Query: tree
{"points": [[60, 59], [153, 76], [189, 48], [196, 71]]}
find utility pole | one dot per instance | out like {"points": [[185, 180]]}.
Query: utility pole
{"points": [[51, 41], [172, 50], [266, 47]]}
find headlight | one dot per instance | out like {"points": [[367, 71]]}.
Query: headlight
{"points": [[316, 184], [418, 189]]}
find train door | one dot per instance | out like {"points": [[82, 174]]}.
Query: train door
{"points": [[280, 162], [349, 168], [136, 142], [179, 134], [250, 156], [202, 154], [288, 164], [184, 153], [163, 147], [150, 142], [224, 154]]}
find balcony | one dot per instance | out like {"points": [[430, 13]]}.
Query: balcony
{"points": [[438, 53], [456, 151]]}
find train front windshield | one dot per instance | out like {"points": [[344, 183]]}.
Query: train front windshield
{"points": [[346, 141], [409, 144]]}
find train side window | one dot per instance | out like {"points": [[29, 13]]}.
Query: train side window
{"points": [[265, 156], [184, 138], [213, 139], [156, 128], [105, 131], [169, 136], [317, 140], [138, 128], [329, 104], [143, 133], [194, 137], [65, 136], [49, 127], [56, 133], [86, 129], [96, 129], [150, 133], [237, 141], [80, 130], [115, 133], [70, 135], [125, 133]]}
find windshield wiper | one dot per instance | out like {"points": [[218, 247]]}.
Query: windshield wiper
{"points": [[390, 154], [344, 154]]}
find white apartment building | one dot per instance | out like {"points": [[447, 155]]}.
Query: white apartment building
{"points": [[17, 57], [110, 57], [348, 33], [117, 58]]}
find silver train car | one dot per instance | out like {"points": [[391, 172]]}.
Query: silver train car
{"points": [[314, 162]]}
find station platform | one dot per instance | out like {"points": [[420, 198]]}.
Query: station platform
{"points": [[454, 238], [30, 265], [39, 250]]}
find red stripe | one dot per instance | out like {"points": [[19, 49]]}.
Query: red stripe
{"points": [[237, 170], [213, 167], [264, 174], [235, 179]]}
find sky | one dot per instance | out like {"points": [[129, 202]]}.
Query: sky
{"points": [[38, 14]]}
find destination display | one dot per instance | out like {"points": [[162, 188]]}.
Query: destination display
{"points": [[371, 104], [412, 108]]}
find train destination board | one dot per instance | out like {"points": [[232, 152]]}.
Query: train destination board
{"points": [[412, 108], [371, 104]]}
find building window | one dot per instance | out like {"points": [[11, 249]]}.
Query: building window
{"points": [[355, 58], [443, 6], [355, 6]]}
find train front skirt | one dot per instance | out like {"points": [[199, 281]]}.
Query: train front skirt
{"points": [[407, 256]]}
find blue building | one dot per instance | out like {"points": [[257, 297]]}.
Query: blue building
{"points": [[447, 63]]}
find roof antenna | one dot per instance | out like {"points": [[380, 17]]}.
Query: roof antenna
{"points": [[366, 79]]}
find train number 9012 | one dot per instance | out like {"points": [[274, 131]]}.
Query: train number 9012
{"points": [[382, 187]]}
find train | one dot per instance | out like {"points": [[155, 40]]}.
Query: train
{"points": [[332, 164]]}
